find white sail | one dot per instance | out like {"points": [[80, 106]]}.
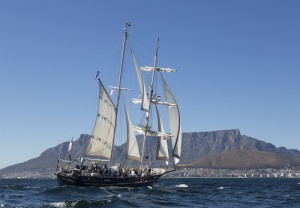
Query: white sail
{"points": [[162, 146], [145, 101], [174, 119], [132, 148], [101, 142]]}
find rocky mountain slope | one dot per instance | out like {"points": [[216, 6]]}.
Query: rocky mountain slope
{"points": [[245, 159], [199, 145]]}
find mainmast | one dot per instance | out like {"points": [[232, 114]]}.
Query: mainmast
{"points": [[120, 81], [147, 128]]}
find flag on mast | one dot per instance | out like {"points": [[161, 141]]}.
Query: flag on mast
{"points": [[111, 92], [97, 75]]}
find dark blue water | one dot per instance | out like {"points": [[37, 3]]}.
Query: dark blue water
{"points": [[179, 192]]}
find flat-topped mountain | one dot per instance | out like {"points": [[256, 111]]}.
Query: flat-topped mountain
{"points": [[245, 159], [203, 144]]}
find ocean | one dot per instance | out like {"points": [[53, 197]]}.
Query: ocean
{"points": [[168, 192]]}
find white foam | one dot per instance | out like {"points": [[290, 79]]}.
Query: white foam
{"points": [[2, 205], [149, 187], [32, 187], [119, 195], [182, 185], [220, 188], [58, 204]]}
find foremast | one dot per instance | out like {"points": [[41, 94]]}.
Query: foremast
{"points": [[120, 82]]}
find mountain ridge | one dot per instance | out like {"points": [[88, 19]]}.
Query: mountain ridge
{"points": [[245, 159], [196, 146]]}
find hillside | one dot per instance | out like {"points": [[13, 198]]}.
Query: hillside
{"points": [[47, 161], [245, 159], [215, 149], [199, 145]]}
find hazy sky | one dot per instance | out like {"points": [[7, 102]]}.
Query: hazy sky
{"points": [[238, 66]]}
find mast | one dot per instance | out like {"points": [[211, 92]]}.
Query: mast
{"points": [[150, 97], [119, 85]]}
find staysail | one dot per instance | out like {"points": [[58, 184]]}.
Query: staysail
{"points": [[101, 142], [162, 146], [174, 119], [132, 148], [145, 101]]}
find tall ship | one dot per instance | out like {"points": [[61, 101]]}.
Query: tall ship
{"points": [[135, 166]]}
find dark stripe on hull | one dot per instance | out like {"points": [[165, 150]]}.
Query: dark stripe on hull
{"points": [[107, 181]]}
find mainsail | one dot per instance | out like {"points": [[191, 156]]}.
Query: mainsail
{"points": [[174, 119], [101, 142]]}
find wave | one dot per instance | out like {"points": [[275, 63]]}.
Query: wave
{"points": [[84, 203], [12, 186], [32, 187], [76, 203], [182, 186], [58, 204], [167, 193]]}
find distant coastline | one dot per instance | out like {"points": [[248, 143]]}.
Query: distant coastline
{"points": [[187, 173]]}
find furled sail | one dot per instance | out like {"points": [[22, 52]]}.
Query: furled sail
{"points": [[150, 68], [132, 148], [174, 119], [101, 142], [145, 101], [162, 146], [142, 130], [159, 102]]}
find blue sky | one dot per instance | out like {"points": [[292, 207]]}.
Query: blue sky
{"points": [[238, 66]]}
